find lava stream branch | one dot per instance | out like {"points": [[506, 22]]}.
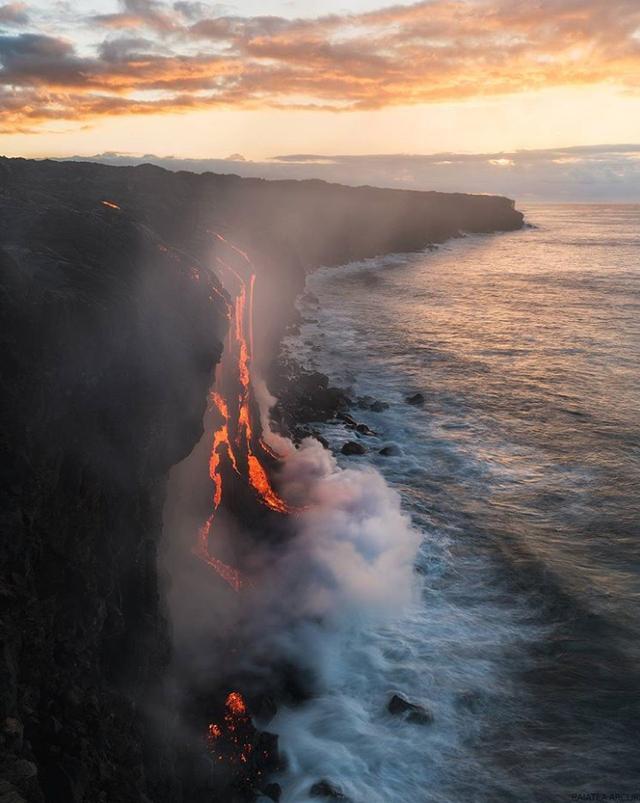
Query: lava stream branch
{"points": [[233, 440]]}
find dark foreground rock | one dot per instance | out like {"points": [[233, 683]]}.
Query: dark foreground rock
{"points": [[108, 348], [390, 451], [353, 448], [327, 790], [417, 714], [416, 399]]}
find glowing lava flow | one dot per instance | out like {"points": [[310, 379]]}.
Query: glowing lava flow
{"points": [[231, 740], [236, 364]]}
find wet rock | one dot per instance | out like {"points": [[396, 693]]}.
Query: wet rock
{"points": [[369, 403], [325, 789], [353, 448], [365, 402], [417, 714], [300, 433], [350, 422], [363, 429], [415, 399], [273, 791], [19, 772], [379, 406], [390, 451]]}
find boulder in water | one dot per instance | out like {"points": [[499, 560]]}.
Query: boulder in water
{"points": [[325, 789], [363, 429], [353, 448], [415, 399], [379, 406], [417, 714], [390, 451]]}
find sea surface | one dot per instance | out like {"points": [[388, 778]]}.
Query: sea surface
{"points": [[522, 472]]}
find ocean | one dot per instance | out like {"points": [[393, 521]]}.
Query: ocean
{"points": [[521, 471]]}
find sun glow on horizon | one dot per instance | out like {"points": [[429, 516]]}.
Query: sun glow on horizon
{"points": [[200, 81]]}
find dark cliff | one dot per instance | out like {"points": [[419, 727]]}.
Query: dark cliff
{"points": [[291, 226], [111, 328]]}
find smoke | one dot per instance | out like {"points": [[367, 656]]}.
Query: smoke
{"points": [[345, 559]]}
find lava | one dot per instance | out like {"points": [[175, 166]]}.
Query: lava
{"points": [[230, 575], [260, 482], [269, 450], [232, 739], [110, 204], [239, 449]]}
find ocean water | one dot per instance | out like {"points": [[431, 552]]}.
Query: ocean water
{"points": [[522, 472]]}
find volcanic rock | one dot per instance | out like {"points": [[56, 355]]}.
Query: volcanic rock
{"points": [[9, 794], [417, 714], [379, 407], [353, 448], [369, 403], [415, 399], [363, 429], [390, 451], [13, 734], [325, 789]]}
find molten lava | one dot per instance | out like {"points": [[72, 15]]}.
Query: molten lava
{"points": [[239, 449], [110, 204], [232, 739], [230, 575]]}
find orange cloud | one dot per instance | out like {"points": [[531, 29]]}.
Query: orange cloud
{"points": [[443, 50]]}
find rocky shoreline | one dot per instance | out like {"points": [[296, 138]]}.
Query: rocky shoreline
{"points": [[112, 326]]}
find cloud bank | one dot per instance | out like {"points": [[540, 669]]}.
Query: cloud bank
{"points": [[153, 57], [606, 173]]}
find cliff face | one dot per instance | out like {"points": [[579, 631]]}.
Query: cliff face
{"points": [[108, 345], [291, 226], [110, 333]]}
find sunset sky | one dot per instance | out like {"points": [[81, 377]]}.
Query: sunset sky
{"points": [[266, 79]]}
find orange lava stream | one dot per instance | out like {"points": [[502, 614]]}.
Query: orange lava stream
{"points": [[271, 452], [260, 482], [240, 365], [110, 204], [201, 550]]}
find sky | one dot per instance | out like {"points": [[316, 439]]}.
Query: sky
{"points": [[369, 88]]}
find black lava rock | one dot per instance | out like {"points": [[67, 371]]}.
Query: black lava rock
{"points": [[389, 451], [415, 399], [379, 406], [416, 714], [325, 789], [353, 448]]}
